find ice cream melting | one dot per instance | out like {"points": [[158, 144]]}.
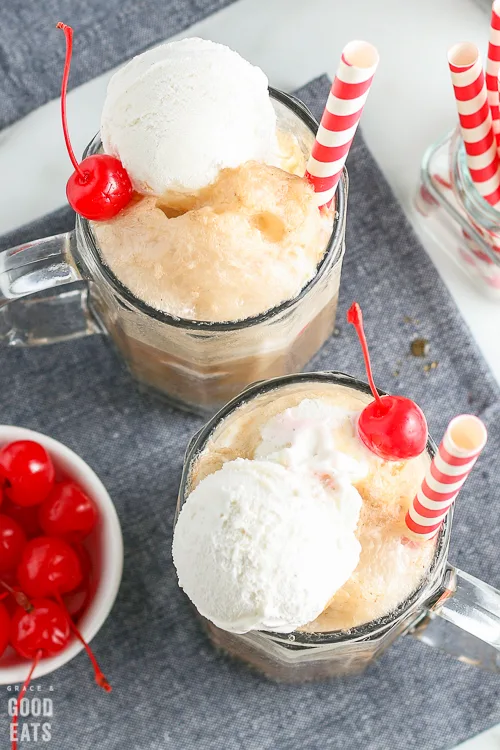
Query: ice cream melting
{"points": [[359, 567], [264, 544], [224, 226], [179, 113]]}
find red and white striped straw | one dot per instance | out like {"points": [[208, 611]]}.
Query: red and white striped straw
{"points": [[492, 68], [463, 441], [475, 120], [340, 119]]}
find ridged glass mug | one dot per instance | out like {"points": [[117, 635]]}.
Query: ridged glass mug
{"points": [[197, 365], [451, 610]]}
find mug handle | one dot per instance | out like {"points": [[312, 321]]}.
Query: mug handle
{"points": [[464, 620], [31, 315]]}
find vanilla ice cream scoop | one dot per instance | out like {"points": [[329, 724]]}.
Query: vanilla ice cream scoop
{"points": [[258, 546], [179, 113]]}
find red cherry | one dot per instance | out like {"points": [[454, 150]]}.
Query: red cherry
{"points": [[396, 430], [99, 676], [12, 543], [4, 628], [68, 512], [75, 604], [27, 471], [26, 516], [392, 427], [99, 187], [43, 631], [44, 628], [48, 566]]}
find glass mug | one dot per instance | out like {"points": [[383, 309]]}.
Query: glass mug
{"points": [[457, 217], [451, 610], [197, 365]]}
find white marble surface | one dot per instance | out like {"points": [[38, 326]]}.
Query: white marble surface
{"points": [[489, 740], [410, 105]]}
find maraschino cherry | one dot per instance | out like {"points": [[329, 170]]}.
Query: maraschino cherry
{"points": [[99, 187], [42, 631], [392, 427], [44, 628], [26, 471], [50, 567], [68, 512], [98, 674]]}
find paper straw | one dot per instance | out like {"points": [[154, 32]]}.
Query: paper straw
{"points": [[340, 119], [492, 69], [475, 120], [463, 441]]}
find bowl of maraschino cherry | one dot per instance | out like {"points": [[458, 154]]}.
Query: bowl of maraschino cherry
{"points": [[61, 556]]}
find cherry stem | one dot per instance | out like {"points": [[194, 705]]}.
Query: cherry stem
{"points": [[355, 316], [99, 676], [20, 598], [24, 688], [68, 33]]}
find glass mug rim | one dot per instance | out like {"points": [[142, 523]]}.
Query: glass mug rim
{"points": [[366, 630], [332, 253]]}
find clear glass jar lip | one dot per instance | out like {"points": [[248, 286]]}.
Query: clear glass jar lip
{"points": [[332, 253], [369, 629], [441, 195]]}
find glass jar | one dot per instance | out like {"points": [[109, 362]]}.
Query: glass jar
{"points": [[456, 216], [446, 594], [197, 365]]}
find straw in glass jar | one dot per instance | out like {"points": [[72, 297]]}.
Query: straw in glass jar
{"points": [[475, 120], [492, 69]]}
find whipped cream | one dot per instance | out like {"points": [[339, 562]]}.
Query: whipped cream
{"points": [[179, 113], [304, 436], [260, 547]]}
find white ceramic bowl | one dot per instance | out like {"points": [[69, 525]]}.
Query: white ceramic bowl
{"points": [[105, 545]]}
